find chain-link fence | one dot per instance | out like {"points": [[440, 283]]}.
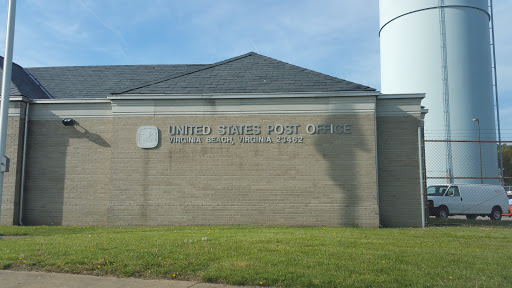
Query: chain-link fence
{"points": [[463, 161], [455, 171]]}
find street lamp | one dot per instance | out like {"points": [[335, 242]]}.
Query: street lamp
{"points": [[480, 148]]}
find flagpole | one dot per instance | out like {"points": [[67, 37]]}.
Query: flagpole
{"points": [[6, 87]]}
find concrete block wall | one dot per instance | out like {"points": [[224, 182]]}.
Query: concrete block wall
{"points": [[399, 172], [327, 180], [12, 179], [94, 173], [67, 172]]}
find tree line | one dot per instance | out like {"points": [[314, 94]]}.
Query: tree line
{"points": [[506, 151]]}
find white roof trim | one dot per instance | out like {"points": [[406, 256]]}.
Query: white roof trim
{"points": [[401, 96], [243, 95], [71, 101], [19, 98]]}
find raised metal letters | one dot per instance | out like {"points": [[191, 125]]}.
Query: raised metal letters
{"points": [[147, 136]]}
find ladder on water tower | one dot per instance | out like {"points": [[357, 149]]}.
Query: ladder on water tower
{"points": [[446, 92], [495, 89]]}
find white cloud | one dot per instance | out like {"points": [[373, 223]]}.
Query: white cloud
{"points": [[105, 24]]}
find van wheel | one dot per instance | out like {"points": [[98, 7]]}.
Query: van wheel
{"points": [[495, 214], [471, 216], [442, 213]]}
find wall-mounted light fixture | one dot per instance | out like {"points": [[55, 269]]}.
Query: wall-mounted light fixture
{"points": [[68, 122]]}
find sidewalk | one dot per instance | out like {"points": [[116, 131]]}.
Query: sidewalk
{"points": [[22, 279]]}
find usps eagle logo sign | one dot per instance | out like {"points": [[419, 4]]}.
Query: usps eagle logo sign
{"points": [[147, 137]]}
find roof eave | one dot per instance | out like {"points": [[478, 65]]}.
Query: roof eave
{"points": [[244, 95]]}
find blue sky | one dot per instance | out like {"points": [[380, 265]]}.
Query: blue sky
{"points": [[335, 37]]}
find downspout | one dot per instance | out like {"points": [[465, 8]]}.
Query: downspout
{"points": [[422, 184], [22, 186], [376, 157]]}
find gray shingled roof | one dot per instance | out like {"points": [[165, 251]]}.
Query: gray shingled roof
{"points": [[101, 81], [22, 84], [249, 73]]}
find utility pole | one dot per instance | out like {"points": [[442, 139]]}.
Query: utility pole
{"points": [[6, 88]]}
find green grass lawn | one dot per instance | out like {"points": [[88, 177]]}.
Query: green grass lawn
{"points": [[466, 254]]}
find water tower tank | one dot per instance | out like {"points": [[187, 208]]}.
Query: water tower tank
{"points": [[442, 48]]}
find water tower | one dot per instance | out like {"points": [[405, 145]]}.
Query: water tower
{"points": [[442, 48]]}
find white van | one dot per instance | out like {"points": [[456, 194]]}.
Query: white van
{"points": [[471, 200]]}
